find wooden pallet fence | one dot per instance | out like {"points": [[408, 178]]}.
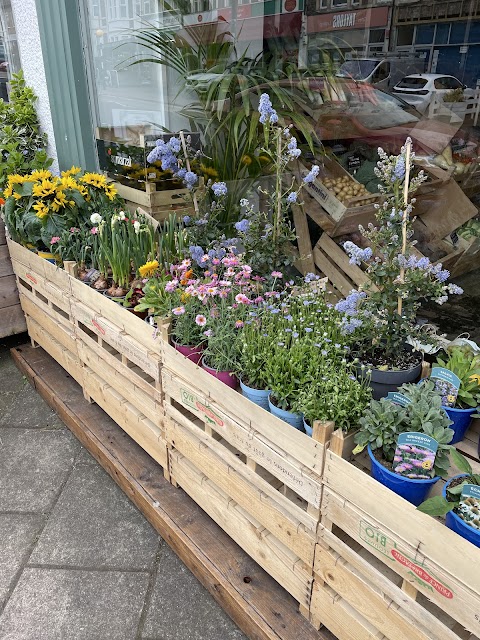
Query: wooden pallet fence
{"points": [[256, 476], [12, 319], [385, 570]]}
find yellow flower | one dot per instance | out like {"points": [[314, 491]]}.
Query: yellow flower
{"points": [[15, 178], [41, 209], [208, 172], [246, 160], [475, 377], [427, 464], [110, 191], [71, 172], [451, 398], [68, 182], [16, 195], [148, 269], [43, 189], [38, 175], [94, 179], [8, 191], [60, 201]]}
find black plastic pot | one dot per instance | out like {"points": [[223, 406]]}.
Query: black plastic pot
{"points": [[382, 382]]}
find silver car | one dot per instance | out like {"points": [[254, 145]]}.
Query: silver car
{"points": [[420, 89]]}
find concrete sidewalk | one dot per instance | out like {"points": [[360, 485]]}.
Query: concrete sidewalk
{"points": [[78, 561]]}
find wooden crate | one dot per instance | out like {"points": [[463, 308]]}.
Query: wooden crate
{"points": [[159, 204], [12, 319], [256, 476], [385, 570]]}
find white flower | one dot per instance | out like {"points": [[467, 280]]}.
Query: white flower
{"points": [[95, 218], [136, 226], [121, 215]]}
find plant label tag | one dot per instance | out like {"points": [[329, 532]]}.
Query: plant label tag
{"points": [[415, 455], [447, 384], [469, 507], [398, 398], [92, 275], [353, 163]]}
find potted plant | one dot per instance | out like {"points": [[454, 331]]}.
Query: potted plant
{"points": [[254, 345], [385, 420], [337, 395], [462, 361], [382, 317], [462, 516]]}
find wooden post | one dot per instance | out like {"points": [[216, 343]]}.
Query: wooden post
{"points": [[71, 268], [405, 216]]}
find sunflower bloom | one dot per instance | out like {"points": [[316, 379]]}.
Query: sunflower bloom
{"points": [[71, 172], [148, 269], [41, 209], [110, 191], [43, 189], [40, 174], [94, 179], [68, 182]]}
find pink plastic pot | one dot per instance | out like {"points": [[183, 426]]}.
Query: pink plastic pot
{"points": [[224, 376], [194, 354]]}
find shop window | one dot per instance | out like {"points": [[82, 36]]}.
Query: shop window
{"points": [[376, 36], [339, 3], [442, 33], [405, 35], [474, 33], [457, 33], [424, 34]]}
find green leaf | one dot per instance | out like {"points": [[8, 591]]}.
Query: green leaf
{"points": [[436, 506], [460, 461]]}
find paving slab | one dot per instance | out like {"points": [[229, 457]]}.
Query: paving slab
{"points": [[12, 381], [94, 524], [25, 409], [182, 609], [58, 604], [17, 535], [33, 466]]}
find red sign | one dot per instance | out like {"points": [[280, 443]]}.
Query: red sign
{"points": [[346, 20], [422, 574], [278, 25]]}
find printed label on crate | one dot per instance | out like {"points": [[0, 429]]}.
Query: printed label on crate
{"points": [[190, 401], [354, 162], [469, 508], [417, 571], [415, 456], [447, 384], [398, 398]]}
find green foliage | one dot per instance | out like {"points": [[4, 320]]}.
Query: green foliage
{"points": [[439, 506], [22, 145], [171, 242], [464, 363], [384, 421]]}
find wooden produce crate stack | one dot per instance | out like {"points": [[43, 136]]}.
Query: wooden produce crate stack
{"points": [[159, 204], [12, 319]]}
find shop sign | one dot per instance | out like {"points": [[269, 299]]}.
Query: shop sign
{"points": [[345, 20], [120, 159]]}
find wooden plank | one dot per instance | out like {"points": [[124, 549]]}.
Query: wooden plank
{"points": [[28, 281], [250, 535], [331, 248], [287, 521], [12, 321], [306, 262], [262, 609], [8, 291], [264, 451], [5, 263], [333, 273], [61, 332]]}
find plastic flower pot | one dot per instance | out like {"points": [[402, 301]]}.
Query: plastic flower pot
{"points": [[258, 396], [294, 419], [455, 523], [415, 491], [224, 376], [48, 256], [462, 419], [382, 382], [308, 428], [194, 354]]}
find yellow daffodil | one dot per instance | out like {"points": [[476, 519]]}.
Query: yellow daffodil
{"points": [[41, 209], [43, 189], [148, 269], [71, 172], [39, 175]]}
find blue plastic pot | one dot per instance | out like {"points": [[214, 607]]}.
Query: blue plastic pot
{"points": [[308, 428], [258, 396], [455, 523], [294, 419], [415, 491], [462, 419]]}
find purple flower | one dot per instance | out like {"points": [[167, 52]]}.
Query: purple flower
{"points": [[196, 253], [190, 179], [312, 174], [399, 171], [186, 219], [292, 197], [267, 112], [443, 275], [357, 255], [219, 189], [242, 226], [175, 144], [454, 289]]}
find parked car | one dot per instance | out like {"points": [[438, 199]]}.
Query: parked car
{"points": [[384, 72], [420, 89]]}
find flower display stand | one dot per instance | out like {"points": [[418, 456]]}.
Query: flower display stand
{"points": [[355, 557], [12, 319]]}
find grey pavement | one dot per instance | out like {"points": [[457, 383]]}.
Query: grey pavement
{"points": [[78, 561]]}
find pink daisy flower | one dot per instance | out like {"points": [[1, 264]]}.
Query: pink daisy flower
{"points": [[201, 320], [178, 311]]}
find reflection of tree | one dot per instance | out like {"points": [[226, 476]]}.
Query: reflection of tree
{"points": [[227, 84]]}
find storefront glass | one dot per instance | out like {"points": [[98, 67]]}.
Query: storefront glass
{"points": [[9, 58]]}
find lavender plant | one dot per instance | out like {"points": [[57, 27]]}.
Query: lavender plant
{"points": [[374, 316]]}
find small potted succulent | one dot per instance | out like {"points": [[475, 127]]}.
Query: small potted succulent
{"points": [[462, 361], [382, 317], [384, 421], [462, 515]]}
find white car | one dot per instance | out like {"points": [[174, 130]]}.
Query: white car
{"points": [[420, 89]]}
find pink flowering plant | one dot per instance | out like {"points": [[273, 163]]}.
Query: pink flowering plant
{"points": [[74, 244], [372, 315], [383, 421]]}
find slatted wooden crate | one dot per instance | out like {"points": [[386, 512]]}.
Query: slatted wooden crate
{"points": [[256, 476], [385, 570], [12, 319], [159, 204]]}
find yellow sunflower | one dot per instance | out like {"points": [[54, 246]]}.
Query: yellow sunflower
{"points": [[148, 269], [43, 189], [94, 179], [39, 175], [60, 201], [8, 191], [68, 182], [42, 209], [15, 178], [110, 191], [71, 172]]}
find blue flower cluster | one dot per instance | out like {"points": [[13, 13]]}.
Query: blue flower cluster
{"points": [[242, 226], [399, 170], [292, 197], [219, 189], [357, 255], [164, 152], [424, 264], [292, 150], [312, 174], [350, 305], [267, 112]]}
